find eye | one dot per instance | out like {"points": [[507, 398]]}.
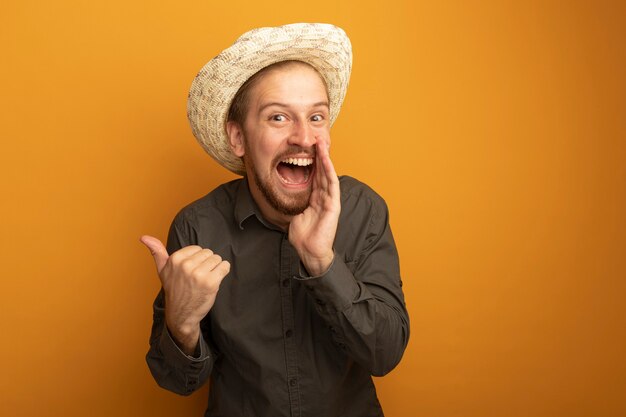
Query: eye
{"points": [[317, 118], [278, 118]]}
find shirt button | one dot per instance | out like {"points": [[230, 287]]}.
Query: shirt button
{"points": [[320, 302], [288, 333], [332, 329], [286, 282], [292, 382]]}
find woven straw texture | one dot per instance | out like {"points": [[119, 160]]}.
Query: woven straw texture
{"points": [[325, 47]]}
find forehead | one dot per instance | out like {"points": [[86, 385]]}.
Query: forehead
{"points": [[296, 82]]}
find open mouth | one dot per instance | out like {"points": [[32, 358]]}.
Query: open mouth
{"points": [[295, 171]]}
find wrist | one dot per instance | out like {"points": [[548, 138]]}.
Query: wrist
{"points": [[185, 337], [318, 266]]}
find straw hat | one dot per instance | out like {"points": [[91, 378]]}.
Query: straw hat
{"points": [[325, 47]]}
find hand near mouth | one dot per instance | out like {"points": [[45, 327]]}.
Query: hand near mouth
{"points": [[312, 233]]}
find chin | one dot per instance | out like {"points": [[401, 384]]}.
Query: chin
{"points": [[291, 204], [286, 199]]}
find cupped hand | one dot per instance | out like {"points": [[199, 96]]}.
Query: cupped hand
{"points": [[312, 233]]}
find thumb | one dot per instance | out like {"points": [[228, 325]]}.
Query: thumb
{"points": [[157, 250]]}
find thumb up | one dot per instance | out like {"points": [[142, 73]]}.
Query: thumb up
{"points": [[158, 251], [191, 278]]}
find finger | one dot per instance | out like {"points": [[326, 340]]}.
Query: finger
{"points": [[157, 249], [333, 190], [222, 269], [183, 260], [324, 140], [209, 264], [188, 251], [330, 176], [197, 258], [329, 169], [320, 175], [217, 271]]}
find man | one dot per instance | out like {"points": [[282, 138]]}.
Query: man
{"points": [[282, 287]]}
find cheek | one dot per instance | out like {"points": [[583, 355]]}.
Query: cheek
{"points": [[262, 155], [269, 146], [323, 134]]}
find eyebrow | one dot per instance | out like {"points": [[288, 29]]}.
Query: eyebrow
{"points": [[274, 103]]}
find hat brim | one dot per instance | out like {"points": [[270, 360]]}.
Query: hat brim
{"points": [[323, 46]]}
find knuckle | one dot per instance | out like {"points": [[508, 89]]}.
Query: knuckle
{"points": [[206, 284], [213, 287], [198, 280], [175, 258], [186, 266]]}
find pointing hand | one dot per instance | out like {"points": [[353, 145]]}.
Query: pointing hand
{"points": [[190, 278]]}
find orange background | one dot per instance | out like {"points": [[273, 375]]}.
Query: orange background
{"points": [[496, 131]]}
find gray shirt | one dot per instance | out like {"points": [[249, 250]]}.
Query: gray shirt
{"points": [[277, 341]]}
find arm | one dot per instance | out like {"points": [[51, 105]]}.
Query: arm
{"points": [[172, 368], [362, 301], [179, 357]]}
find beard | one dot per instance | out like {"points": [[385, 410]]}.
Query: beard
{"points": [[290, 205]]}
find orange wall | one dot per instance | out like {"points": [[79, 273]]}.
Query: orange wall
{"points": [[496, 131]]}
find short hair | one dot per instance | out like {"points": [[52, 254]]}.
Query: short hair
{"points": [[239, 106]]}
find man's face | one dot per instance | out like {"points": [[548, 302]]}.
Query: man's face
{"points": [[287, 115]]}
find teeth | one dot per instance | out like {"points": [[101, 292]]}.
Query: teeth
{"points": [[298, 161]]}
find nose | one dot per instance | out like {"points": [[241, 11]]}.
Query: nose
{"points": [[303, 135]]}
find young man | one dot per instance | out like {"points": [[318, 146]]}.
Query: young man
{"points": [[282, 287]]}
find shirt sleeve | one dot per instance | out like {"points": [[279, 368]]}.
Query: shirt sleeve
{"points": [[362, 300], [171, 368]]}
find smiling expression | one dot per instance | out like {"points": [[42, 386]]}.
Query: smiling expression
{"points": [[287, 116]]}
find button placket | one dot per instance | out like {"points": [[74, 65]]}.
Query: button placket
{"points": [[287, 254]]}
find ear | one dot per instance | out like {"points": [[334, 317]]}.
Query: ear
{"points": [[235, 138]]}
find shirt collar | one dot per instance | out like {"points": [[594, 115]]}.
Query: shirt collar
{"points": [[245, 206]]}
